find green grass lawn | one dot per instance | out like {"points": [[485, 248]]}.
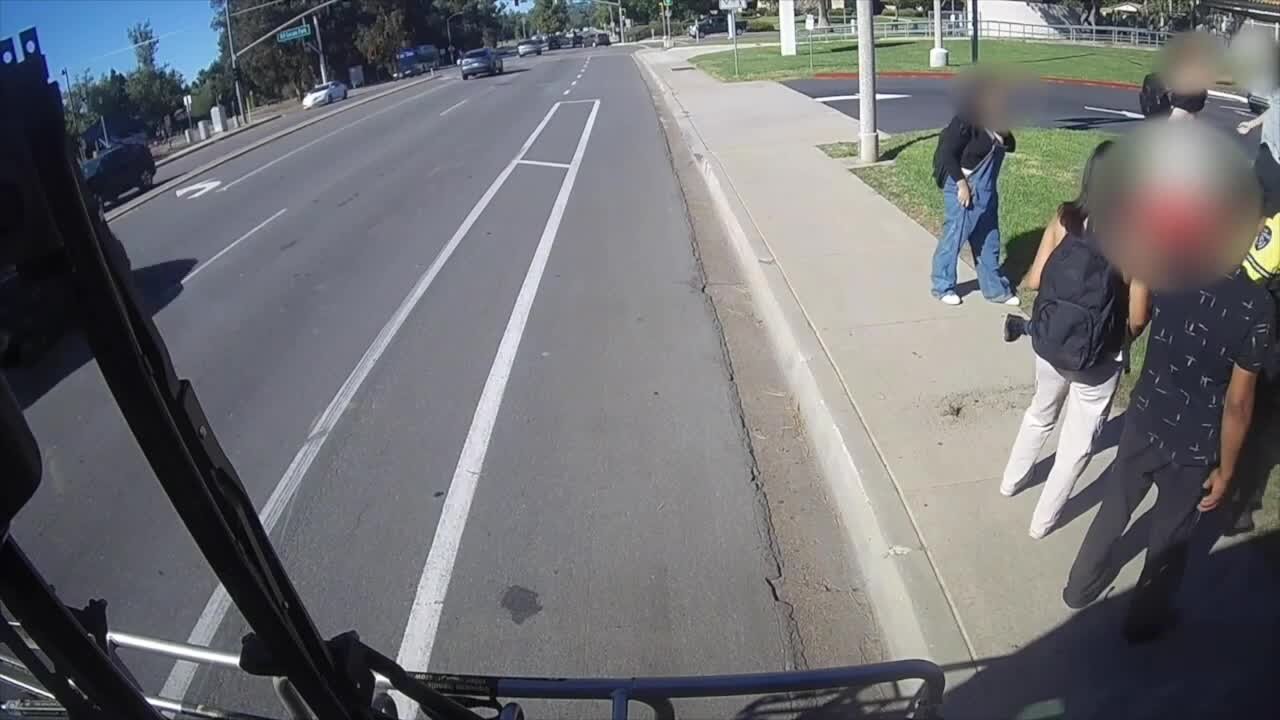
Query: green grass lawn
{"points": [[1042, 59]]}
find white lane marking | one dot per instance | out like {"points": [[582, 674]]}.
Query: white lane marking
{"points": [[1122, 113], [566, 92], [183, 672], [198, 189], [855, 96], [424, 617], [544, 163], [575, 82], [322, 138], [454, 106], [195, 271]]}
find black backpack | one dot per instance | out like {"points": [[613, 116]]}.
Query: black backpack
{"points": [[1154, 98], [1075, 319]]}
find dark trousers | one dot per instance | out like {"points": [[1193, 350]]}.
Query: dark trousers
{"points": [[1267, 170], [1140, 464]]}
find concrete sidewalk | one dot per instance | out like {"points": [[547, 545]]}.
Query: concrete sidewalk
{"points": [[911, 407]]}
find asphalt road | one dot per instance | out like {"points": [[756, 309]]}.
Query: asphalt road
{"points": [[288, 118], [474, 301], [909, 104]]}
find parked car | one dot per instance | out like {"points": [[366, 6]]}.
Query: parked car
{"points": [[576, 41], [601, 39], [481, 61], [119, 169], [528, 47], [1258, 103], [325, 93], [715, 24], [553, 42]]}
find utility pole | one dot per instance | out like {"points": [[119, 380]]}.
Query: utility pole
{"points": [[938, 55], [324, 67], [973, 41], [235, 74], [868, 136]]}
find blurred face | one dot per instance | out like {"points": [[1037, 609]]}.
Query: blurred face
{"points": [[1176, 205], [994, 105]]}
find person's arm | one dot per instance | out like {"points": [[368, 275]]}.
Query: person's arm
{"points": [[1237, 408], [1009, 141], [954, 137], [1049, 241], [1139, 308], [1237, 413], [1248, 126]]}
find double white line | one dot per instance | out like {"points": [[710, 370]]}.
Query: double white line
{"points": [[424, 617]]}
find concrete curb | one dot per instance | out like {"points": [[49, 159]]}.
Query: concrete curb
{"points": [[915, 617], [217, 138], [351, 105]]}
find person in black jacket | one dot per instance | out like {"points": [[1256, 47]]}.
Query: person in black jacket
{"points": [[966, 168]]}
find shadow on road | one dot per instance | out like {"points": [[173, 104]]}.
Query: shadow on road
{"points": [[1218, 662], [157, 286], [1093, 123]]}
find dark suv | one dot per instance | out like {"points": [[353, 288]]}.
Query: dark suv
{"points": [[118, 169]]}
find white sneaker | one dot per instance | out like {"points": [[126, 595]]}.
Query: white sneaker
{"points": [[950, 299], [1013, 301]]}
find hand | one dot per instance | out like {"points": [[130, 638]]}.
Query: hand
{"points": [[1217, 485], [1245, 127], [963, 194]]}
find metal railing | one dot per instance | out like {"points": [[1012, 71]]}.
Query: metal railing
{"points": [[920, 28]]}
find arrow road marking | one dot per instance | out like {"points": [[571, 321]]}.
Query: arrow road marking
{"points": [[198, 189], [1122, 113], [879, 96]]}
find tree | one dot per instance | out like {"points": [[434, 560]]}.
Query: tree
{"points": [[153, 90], [387, 32], [550, 16], [145, 44]]}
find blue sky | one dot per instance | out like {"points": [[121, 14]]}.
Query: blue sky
{"points": [[79, 34]]}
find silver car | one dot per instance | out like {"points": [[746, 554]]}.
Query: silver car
{"points": [[529, 47], [482, 61]]}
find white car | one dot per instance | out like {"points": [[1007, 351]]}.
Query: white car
{"points": [[325, 93]]}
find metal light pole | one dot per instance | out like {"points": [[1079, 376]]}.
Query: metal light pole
{"points": [[938, 56], [235, 76], [324, 67], [448, 29], [973, 41], [868, 137]]}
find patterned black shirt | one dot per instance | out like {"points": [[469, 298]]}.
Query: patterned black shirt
{"points": [[1196, 337]]}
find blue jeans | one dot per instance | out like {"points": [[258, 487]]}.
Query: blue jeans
{"points": [[980, 225]]}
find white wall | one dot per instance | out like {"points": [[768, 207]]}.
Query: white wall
{"points": [[1027, 13]]}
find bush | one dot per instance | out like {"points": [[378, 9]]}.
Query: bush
{"points": [[760, 26]]}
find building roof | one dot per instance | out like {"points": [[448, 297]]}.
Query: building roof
{"points": [[1260, 9]]}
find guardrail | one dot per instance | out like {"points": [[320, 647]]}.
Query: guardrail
{"points": [[955, 29]]}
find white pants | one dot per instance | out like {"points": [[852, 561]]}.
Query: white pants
{"points": [[1087, 395]]}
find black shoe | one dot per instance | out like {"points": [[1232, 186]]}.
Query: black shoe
{"points": [[1080, 602], [1015, 326]]}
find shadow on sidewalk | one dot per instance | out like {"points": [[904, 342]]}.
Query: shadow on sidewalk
{"points": [[1218, 662]]}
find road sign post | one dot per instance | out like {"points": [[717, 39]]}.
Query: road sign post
{"points": [[808, 31], [732, 7]]}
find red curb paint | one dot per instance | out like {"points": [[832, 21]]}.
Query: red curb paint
{"points": [[909, 74]]}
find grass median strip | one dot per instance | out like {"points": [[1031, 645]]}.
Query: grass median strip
{"points": [[1079, 62]]}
